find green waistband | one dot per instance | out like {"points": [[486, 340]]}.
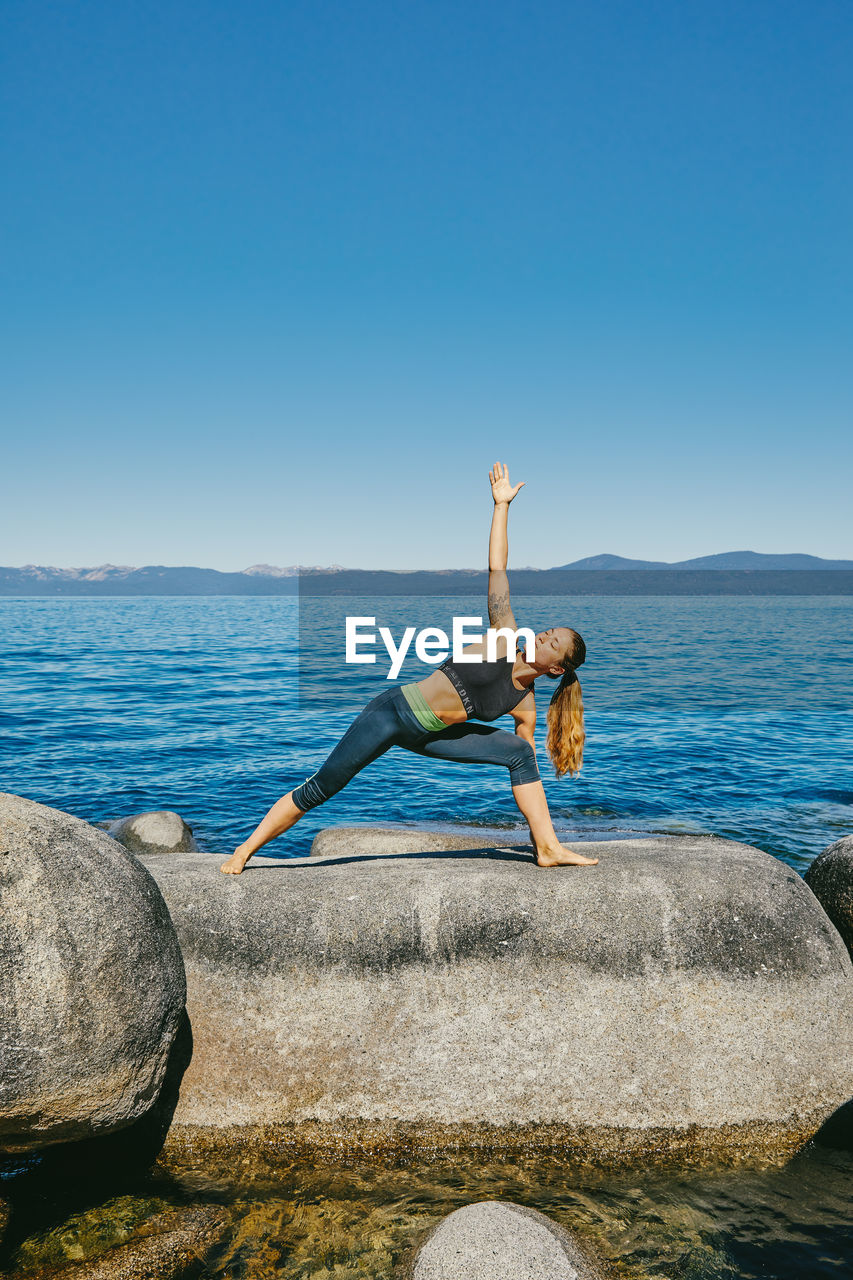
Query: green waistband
{"points": [[421, 708]]}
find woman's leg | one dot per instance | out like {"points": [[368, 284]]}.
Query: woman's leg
{"points": [[531, 800], [283, 815], [475, 743], [373, 731]]}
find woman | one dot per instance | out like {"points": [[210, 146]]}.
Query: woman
{"points": [[433, 717]]}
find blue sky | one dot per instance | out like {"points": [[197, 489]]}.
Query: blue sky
{"points": [[281, 281]]}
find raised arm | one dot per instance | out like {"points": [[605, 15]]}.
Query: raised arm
{"points": [[500, 613]]}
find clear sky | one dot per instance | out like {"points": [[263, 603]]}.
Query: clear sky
{"points": [[282, 280]]}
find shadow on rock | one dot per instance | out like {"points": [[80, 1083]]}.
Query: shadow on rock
{"points": [[131, 1151], [837, 1131], [61, 1180]]}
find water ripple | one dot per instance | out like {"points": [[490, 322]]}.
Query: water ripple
{"points": [[699, 714]]}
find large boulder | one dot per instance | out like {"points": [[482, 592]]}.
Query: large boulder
{"points": [[92, 983], [686, 993], [830, 878], [163, 831], [499, 1240]]}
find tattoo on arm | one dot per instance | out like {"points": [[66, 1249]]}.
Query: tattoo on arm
{"points": [[498, 605]]}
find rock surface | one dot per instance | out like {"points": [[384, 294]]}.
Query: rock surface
{"points": [[339, 841], [686, 993], [174, 1247], [92, 982], [830, 878], [499, 1240], [147, 833]]}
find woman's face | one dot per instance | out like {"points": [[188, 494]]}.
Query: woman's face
{"points": [[551, 646]]}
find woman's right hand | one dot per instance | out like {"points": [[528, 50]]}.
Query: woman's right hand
{"points": [[502, 490]]}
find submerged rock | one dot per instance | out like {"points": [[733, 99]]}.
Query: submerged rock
{"points": [[147, 833], [175, 1246], [688, 993], [499, 1240], [92, 983], [830, 878]]}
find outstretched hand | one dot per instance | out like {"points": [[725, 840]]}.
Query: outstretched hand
{"points": [[502, 490]]}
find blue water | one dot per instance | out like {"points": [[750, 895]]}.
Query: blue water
{"points": [[730, 715]]}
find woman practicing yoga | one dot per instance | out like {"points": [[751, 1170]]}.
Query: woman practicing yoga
{"points": [[438, 717]]}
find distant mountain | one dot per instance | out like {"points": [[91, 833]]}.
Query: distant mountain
{"points": [[151, 580], [731, 573], [613, 562], [290, 570], [723, 560]]}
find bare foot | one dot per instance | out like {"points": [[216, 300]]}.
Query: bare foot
{"points": [[558, 855], [235, 864]]}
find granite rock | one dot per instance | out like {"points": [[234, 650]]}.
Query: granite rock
{"points": [[499, 1240], [830, 878], [92, 983], [161, 832], [172, 1246], [689, 992]]}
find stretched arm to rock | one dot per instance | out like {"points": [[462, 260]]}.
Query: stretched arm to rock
{"points": [[500, 613]]}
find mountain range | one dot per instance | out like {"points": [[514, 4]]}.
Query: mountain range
{"points": [[723, 560], [731, 572]]}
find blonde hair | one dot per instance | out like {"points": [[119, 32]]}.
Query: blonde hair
{"points": [[566, 734]]}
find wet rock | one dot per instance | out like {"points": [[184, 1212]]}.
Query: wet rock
{"points": [[499, 1240], [149, 833], [92, 984], [175, 1246], [688, 993], [830, 878]]}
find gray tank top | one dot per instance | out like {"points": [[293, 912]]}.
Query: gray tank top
{"points": [[486, 688]]}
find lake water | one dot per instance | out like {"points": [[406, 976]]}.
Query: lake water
{"points": [[730, 715], [361, 1220]]}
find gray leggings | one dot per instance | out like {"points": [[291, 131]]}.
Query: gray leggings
{"points": [[388, 721]]}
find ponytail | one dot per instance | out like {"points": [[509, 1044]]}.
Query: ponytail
{"points": [[566, 734]]}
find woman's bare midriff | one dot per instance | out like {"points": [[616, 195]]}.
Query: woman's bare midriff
{"points": [[440, 693], [442, 698]]}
